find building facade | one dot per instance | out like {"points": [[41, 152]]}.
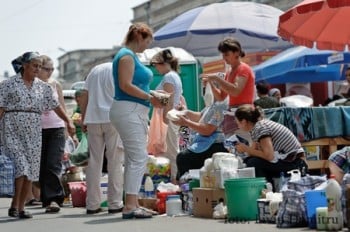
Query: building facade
{"points": [[75, 65]]}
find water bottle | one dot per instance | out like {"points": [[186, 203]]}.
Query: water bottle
{"points": [[149, 187], [334, 219], [173, 205]]}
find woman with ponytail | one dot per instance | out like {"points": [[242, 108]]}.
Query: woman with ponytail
{"points": [[274, 149]]}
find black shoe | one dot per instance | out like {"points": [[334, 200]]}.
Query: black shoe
{"points": [[24, 215], [93, 211], [113, 211], [13, 212]]}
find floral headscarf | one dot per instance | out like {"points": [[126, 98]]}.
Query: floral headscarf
{"points": [[17, 63]]}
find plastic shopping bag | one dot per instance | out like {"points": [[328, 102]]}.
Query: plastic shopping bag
{"points": [[80, 155], [157, 133], [208, 95], [7, 176]]}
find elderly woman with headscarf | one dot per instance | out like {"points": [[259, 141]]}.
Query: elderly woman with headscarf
{"points": [[276, 93], [22, 100]]}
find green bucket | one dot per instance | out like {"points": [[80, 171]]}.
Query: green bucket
{"points": [[241, 195]]}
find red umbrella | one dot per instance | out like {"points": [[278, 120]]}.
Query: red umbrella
{"points": [[320, 22]]}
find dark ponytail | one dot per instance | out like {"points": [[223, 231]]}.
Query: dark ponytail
{"points": [[171, 60], [249, 113]]}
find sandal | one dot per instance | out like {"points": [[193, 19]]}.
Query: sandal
{"points": [[137, 213], [52, 208], [33, 202], [24, 215], [13, 212]]}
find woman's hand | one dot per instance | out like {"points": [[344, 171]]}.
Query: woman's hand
{"points": [[241, 147], [208, 77], [71, 128], [156, 102], [182, 121]]}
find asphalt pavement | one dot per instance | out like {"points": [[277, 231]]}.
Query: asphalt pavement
{"points": [[71, 219]]}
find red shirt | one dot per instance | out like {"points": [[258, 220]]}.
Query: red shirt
{"points": [[247, 94]]}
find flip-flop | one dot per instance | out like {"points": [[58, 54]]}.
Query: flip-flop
{"points": [[154, 213], [137, 213]]}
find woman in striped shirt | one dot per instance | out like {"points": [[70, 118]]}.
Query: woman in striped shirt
{"points": [[274, 149]]}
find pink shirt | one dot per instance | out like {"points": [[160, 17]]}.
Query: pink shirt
{"points": [[49, 119]]}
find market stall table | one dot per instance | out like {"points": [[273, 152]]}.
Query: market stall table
{"points": [[316, 126]]}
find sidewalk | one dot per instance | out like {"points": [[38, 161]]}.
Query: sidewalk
{"points": [[75, 220]]}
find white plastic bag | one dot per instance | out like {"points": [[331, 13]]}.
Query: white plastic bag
{"points": [[208, 95]]}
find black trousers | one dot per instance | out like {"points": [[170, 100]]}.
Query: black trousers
{"points": [[264, 168], [187, 159], [51, 189]]}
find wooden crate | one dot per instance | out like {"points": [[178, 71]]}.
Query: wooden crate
{"points": [[332, 144]]}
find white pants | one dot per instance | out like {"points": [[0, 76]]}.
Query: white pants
{"points": [[101, 136], [131, 121]]}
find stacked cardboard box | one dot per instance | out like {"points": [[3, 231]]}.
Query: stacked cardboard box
{"points": [[205, 199]]}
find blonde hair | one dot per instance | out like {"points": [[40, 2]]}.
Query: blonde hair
{"points": [[138, 28], [45, 59]]}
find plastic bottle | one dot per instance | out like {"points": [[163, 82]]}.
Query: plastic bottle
{"points": [[190, 203], [282, 181], [185, 188], [294, 174], [334, 215], [149, 187], [173, 205]]}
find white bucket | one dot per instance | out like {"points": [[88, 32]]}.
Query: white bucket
{"points": [[246, 172]]}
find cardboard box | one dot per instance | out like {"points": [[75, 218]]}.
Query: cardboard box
{"points": [[205, 199], [150, 203]]}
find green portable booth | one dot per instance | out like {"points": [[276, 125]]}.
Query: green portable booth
{"points": [[189, 73]]}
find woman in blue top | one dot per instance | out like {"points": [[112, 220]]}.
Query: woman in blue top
{"points": [[129, 112], [207, 136]]}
